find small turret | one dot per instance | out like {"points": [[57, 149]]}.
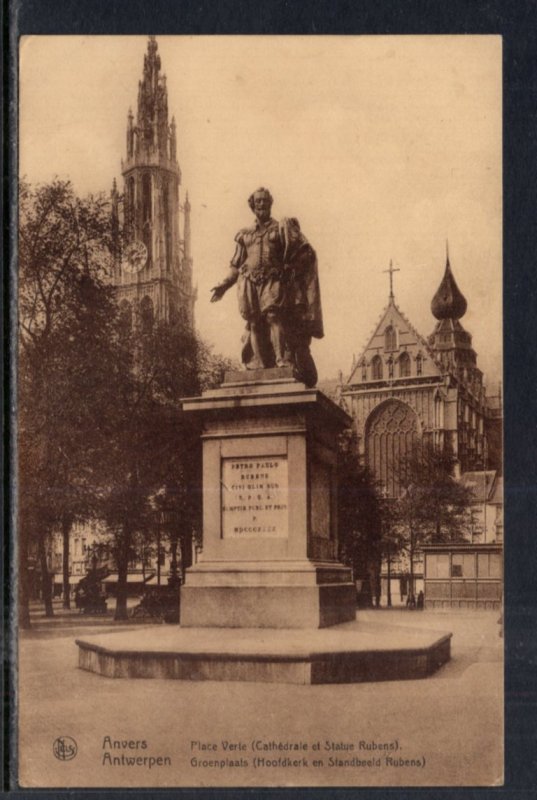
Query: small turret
{"points": [[173, 140], [130, 134], [114, 198], [448, 302], [450, 342]]}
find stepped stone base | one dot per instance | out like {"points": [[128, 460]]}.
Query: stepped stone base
{"points": [[267, 606], [348, 653], [290, 595]]}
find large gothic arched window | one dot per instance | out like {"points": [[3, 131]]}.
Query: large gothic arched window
{"points": [[391, 434]]}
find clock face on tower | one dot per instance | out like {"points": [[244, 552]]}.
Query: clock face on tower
{"points": [[134, 257]]}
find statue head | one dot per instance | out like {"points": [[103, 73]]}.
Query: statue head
{"points": [[260, 202]]}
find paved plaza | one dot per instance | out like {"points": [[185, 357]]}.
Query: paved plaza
{"points": [[179, 733]]}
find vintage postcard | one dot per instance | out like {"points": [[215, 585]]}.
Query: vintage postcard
{"points": [[259, 479]]}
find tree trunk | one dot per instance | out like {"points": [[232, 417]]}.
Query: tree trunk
{"points": [[389, 586], [411, 576], [67, 522], [46, 587], [122, 572], [23, 587]]}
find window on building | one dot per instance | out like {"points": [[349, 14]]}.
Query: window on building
{"points": [[437, 565], [390, 368], [147, 315], [167, 225], [419, 364], [456, 567], [391, 434], [129, 205], [404, 365], [364, 370], [462, 565], [498, 525], [147, 212], [390, 338], [489, 565], [376, 368]]}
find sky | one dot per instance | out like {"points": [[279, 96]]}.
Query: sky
{"points": [[383, 148]]}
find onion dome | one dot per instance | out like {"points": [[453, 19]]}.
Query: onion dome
{"points": [[448, 302]]}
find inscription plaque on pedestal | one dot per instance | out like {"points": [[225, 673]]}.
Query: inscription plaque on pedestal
{"points": [[255, 497]]}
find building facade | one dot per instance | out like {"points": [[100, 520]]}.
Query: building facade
{"points": [[406, 389], [463, 576]]}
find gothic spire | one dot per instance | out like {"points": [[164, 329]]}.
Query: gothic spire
{"points": [[152, 117], [448, 302]]}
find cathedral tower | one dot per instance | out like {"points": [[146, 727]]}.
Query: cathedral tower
{"points": [[154, 273]]}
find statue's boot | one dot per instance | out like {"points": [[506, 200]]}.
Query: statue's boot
{"points": [[277, 339], [256, 362], [305, 369]]}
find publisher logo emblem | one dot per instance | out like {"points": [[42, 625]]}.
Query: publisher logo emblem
{"points": [[64, 748]]}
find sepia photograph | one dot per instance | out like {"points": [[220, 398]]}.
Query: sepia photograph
{"points": [[259, 461]]}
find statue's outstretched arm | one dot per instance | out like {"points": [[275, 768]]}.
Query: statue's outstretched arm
{"points": [[221, 288]]}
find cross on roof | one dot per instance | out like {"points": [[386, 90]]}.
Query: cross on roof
{"points": [[391, 270]]}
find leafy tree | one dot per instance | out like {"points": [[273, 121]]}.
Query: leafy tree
{"points": [[65, 308], [154, 463], [101, 430], [433, 506], [392, 539], [359, 517]]}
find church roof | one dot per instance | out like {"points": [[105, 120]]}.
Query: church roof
{"points": [[408, 340]]}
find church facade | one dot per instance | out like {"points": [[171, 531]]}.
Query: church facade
{"points": [[153, 271], [406, 389]]}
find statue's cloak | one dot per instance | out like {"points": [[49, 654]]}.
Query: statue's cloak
{"points": [[300, 259]]}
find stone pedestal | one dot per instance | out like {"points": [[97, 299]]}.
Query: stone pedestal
{"points": [[269, 558], [269, 508]]}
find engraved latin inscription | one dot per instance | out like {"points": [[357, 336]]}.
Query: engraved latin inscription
{"points": [[254, 497]]}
